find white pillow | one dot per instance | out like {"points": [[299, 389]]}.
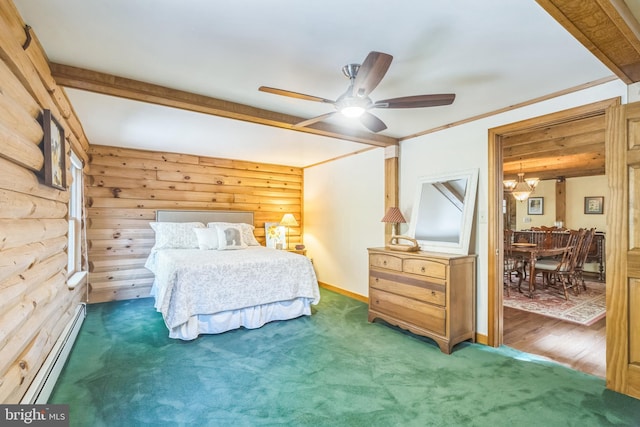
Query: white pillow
{"points": [[207, 238], [175, 235], [230, 237], [247, 231]]}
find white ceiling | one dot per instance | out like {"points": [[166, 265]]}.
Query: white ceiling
{"points": [[491, 53]]}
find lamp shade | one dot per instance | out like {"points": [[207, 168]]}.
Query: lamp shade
{"points": [[288, 220], [393, 216]]}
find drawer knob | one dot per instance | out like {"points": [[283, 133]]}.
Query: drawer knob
{"points": [[384, 262], [433, 293], [377, 280], [423, 269]]}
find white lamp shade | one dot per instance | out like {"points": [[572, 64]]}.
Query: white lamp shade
{"points": [[288, 220]]}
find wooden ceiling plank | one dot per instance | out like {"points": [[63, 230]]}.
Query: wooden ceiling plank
{"points": [[522, 155], [578, 127], [541, 162], [551, 174], [562, 142], [584, 164], [108, 84]]}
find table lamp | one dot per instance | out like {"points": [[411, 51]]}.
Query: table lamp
{"points": [[393, 216], [288, 220]]}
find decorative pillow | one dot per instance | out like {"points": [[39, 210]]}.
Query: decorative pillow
{"points": [[230, 237], [207, 238], [247, 231], [175, 235]]}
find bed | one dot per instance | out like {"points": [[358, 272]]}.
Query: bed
{"points": [[212, 276]]}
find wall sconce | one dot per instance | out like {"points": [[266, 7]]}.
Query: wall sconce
{"points": [[288, 220]]}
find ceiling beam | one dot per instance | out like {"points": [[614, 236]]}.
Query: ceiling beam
{"points": [[606, 27], [107, 84]]}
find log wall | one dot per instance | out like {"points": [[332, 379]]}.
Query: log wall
{"points": [[125, 187], [35, 302]]}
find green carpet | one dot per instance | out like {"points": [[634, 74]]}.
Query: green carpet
{"points": [[330, 369]]}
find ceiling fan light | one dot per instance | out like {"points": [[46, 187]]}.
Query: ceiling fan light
{"points": [[352, 111]]}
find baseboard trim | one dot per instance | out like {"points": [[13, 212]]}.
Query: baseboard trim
{"points": [[344, 292], [42, 385], [480, 338]]}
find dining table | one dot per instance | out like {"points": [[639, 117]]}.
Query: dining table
{"points": [[533, 252]]}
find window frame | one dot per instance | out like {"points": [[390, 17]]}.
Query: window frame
{"points": [[75, 216]]}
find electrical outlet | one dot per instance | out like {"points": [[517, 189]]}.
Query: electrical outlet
{"points": [[526, 219]]}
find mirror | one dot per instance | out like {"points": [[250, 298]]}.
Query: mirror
{"points": [[442, 215]]}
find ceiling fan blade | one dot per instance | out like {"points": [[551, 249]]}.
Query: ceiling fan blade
{"points": [[294, 94], [371, 72], [417, 101], [315, 119], [372, 123]]}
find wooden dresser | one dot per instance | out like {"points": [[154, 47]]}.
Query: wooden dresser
{"points": [[430, 294]]}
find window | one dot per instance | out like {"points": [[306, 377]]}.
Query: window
{"points": [[74, 264]]}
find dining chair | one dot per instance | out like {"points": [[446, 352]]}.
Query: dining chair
{"points": [[543, 236], [512, 263], [583, 254], [561, 272]]}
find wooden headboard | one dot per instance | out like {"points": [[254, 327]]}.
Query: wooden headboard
{"points": [[204, 216]]}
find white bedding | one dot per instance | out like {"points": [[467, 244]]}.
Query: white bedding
{"points": [[211, 291]]}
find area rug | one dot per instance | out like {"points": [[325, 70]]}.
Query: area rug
{"points": [[586, 308]]}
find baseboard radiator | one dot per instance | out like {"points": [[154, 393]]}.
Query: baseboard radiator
{"points": [[45, 380]]}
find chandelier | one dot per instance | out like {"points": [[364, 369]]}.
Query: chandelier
{"points": [[522, 188]]}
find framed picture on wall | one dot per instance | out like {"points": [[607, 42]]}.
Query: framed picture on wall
{"points": [[274, 234], [594, 205], [54, 152], [535, 206]]}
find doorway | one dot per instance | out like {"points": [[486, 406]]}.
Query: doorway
{"points": [[498, 141]]}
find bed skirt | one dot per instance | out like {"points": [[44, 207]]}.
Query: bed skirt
{"points": [[250, 318]]}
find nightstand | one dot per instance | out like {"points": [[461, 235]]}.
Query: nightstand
{"points": [[298, 251]]}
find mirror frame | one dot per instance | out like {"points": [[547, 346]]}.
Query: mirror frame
{"points": [[462, 246]]}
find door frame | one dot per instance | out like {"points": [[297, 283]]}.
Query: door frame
{"points": [[495, 195]]}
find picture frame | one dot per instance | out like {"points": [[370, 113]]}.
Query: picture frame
{"points": [[594, 205], [535, 206], [55, 154], [274, 235]]}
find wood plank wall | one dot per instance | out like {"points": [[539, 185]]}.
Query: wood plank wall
{"points": [[125, 187], [35, 302]]}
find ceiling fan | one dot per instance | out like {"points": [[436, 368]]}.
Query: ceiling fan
{"points": [[355, 101]]}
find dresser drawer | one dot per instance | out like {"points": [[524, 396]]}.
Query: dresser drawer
{"points": [[409, 287], [415, 312], [424, 267], [386, 261]]}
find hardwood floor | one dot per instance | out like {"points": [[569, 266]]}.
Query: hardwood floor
{"points": [[582, 348]]}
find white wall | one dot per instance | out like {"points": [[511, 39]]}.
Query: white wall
{"points": [[354, 186], [343, 206], [466, 146], [547, 190], [576, 190]]}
